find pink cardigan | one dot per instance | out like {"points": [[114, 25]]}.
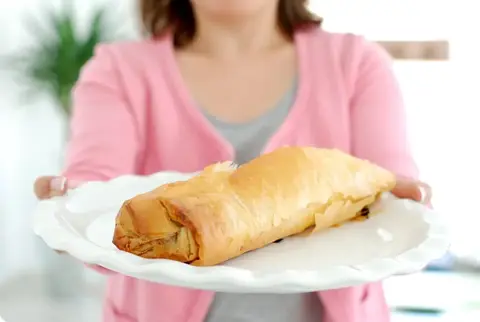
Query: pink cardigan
{"points": [[134, 114]]}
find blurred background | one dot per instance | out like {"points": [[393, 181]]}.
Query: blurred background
{"points": [[436, 60]]}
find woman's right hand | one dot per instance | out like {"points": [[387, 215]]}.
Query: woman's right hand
{"points": [[46, 187]]}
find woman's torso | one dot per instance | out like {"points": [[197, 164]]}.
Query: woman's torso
{"points": [[174, 134]]}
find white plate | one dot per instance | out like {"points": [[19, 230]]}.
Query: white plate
{"points": [[402, 238]]}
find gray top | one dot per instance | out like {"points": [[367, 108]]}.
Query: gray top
{"points": [[249, 140]]}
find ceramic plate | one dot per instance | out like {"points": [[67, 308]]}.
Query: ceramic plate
{"points": [[403, 237]]}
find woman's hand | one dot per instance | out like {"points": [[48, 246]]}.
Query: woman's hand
{"points": [[413, 189], [47, 187]]}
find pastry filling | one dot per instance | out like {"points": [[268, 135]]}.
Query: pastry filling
{"points": [[365, 212], [362, 215]]}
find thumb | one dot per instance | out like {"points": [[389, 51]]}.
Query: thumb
{"points": [[52, 186], [48, 186], [414, 190]]}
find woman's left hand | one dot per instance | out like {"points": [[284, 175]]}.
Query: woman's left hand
{"points": [[413, 189]]}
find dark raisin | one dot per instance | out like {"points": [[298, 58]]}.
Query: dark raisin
{"points": [[365, 212]]}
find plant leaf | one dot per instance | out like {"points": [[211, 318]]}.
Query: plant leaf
{"points": [[54, 62]]}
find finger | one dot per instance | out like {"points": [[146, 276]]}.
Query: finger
{"points": [[49, 186], [53, 186], [414, 190], [407, 190], [426, 192]]}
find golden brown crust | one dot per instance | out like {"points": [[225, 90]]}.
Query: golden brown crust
{"points": [[142, 233], [224, 212]]}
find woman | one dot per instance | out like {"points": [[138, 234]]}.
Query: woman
{"points": [[231, 79]]}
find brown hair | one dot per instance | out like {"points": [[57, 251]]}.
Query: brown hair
{"points": [[160, 15]]}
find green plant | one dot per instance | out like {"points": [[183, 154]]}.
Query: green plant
{"points": [[55, 59]]}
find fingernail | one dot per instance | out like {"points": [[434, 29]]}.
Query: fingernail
{"points": [[58, 183], [426, 193]]}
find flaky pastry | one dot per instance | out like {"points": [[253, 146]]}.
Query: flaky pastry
{"points": [[226, 211]]}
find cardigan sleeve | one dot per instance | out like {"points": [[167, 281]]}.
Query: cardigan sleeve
{"points": [[378, 117], [104, 141]]}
